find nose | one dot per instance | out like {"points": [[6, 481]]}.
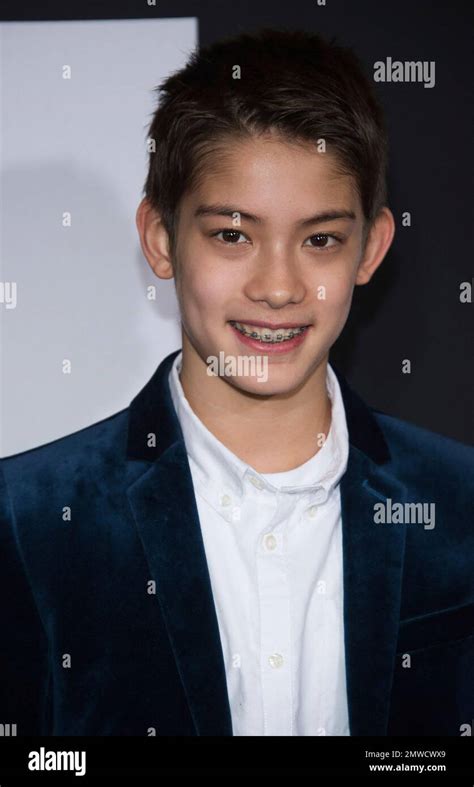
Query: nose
{"points": [[276, 279]]}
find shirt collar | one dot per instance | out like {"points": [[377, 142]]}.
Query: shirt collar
{"points": [[217, 467]]}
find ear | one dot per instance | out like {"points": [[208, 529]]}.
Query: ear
{"points": [[378, 242], [154, 240]]}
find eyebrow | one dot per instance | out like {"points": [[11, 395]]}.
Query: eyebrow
{"points": [[221, 209]]}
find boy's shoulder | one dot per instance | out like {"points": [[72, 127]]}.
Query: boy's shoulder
{"points": [[405, 450], [421, 451], [90, 436], [92, 448]]}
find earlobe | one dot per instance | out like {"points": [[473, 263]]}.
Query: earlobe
{"points": [[154, 240], [379, 240]]}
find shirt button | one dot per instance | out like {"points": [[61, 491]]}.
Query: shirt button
{"points": [[312, 511], [270, 542], [225, 500], [257, 482], [276, 660]]}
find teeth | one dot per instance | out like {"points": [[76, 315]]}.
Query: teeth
{"points": [[267, 334]]}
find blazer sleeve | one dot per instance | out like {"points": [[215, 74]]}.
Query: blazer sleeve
{"points": [[24, 672]]}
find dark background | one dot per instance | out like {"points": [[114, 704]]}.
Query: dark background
{"points": [[411, 309]]}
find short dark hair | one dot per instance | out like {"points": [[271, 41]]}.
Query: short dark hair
{"points": [[293, 83]]}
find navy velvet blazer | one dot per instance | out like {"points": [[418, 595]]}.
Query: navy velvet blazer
{"points": [[86, 649]]}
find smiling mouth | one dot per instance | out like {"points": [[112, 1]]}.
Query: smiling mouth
{"points": [[268, 335]]}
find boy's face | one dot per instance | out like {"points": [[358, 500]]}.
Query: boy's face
{"points": [[277, 270]]}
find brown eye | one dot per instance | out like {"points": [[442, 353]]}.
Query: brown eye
{"points": [[322, 240], [229, 236]]}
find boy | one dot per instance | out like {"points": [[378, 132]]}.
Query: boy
{"points": [[248, 549]]}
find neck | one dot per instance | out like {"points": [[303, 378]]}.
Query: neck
{"points": [[272, 433]]}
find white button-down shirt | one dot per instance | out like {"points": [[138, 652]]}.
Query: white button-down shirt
{"points": [[273, 544]]}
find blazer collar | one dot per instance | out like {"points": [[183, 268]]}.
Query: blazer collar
{"points": [[162, 496]]}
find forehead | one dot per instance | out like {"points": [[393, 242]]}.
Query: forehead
{"points": [[275, 178]]}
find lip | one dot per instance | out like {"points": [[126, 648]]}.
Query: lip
{"points": [[266, 348]]}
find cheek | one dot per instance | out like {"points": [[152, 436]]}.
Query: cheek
{"points": [[334, 293], [332, 312], [204, 287]]}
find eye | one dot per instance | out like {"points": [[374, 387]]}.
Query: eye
{"points": [[322, 239], [232, 236]]}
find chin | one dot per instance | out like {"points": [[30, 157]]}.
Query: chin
{"points": [[269, 387]]}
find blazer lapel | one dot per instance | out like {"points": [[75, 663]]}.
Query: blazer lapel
{"points": [[164, 508], [372, 570]]}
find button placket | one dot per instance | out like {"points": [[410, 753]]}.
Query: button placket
{"points": [[275, 627]]}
